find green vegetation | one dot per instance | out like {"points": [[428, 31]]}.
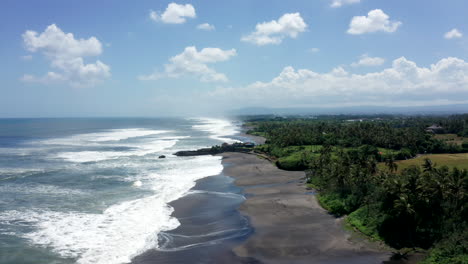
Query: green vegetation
{"points": [[366, 222], [292, 157], [452, 250], [416, 207], [368, 171], [452, 138], [450, 160]]}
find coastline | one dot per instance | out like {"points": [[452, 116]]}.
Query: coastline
{"points": [[210, 226], [290, 226], [263, 215]]}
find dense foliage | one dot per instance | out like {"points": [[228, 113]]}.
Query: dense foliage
{"points": [[415, 207], [396, 134], [420, 206]]}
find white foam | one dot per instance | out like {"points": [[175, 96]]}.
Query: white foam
{"points": [[93, 139], [40, 189], [14, 151], [174, 137], [218, 128], [123, 230], [14, 171], [112, 137], [137, 184], [141, 150], [222, 194], [11, 173]]}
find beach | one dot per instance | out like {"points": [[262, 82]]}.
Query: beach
{"points": [[254, 212], [289, 226]]}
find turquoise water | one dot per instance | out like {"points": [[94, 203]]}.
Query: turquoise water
{"points": [[94, 190]]}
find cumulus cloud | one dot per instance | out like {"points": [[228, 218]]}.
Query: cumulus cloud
{"points": [[174, 14], [206, 26], [402, 84], [273, 32], [193, 62], [339, 3], [454, 33], [66, 54], [314, 50], [365, 60], [376, 20]]}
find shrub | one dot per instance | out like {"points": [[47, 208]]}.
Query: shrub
{"points": [[332, 203], [453, 250]]}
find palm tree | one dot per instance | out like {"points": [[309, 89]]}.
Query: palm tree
{"points": [[428, 165], [390, 162]]}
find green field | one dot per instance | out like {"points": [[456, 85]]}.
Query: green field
{"points": [[451, 139], [450, 160]]}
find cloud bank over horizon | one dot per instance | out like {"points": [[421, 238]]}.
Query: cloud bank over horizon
{"points": [[402, 84]]}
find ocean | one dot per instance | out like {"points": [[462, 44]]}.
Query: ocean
{"points": [[94, 190]]}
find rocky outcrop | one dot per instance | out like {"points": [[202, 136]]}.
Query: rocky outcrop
{"points": [[235, 147]]}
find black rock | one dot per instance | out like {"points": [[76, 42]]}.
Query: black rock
{"points": [[225, 147]]}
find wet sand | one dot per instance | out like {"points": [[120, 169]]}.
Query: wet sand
{"points": [[210, 226], [278, 221], [289, 225]]}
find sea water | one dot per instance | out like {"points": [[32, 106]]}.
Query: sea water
{"points": [[95, 190]]}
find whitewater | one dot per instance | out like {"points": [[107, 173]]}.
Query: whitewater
{"points": [[96, 191]]}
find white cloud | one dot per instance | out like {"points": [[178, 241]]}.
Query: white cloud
{"points": [[193, 62], [27, 57], [376, 20], [206, 26], [339, 3], [66, 55], [454, 33], [273, 32], [404, 83], [314, 50], [365, 60], [174, 14]]}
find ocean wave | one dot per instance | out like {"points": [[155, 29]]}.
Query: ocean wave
{"points": [[115, 236], [138, 150], [219, 129], [123, 230], [112, 135], [14, 171], [40, 189]]}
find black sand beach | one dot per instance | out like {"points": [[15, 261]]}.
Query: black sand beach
{"points": [[278, 222], [290, 226], [211, 225]]}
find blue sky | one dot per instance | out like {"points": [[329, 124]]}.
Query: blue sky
{"points": [[152, 58]]}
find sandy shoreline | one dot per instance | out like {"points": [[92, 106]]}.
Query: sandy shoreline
{"points": [[289, 225]]}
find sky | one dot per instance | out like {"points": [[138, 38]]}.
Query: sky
{"points": [[155, 58]]}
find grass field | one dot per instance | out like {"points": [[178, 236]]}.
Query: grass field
{"points": [[450, 160], [451, 138]]}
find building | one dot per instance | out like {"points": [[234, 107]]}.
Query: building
{"points": [[434, 129]]}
